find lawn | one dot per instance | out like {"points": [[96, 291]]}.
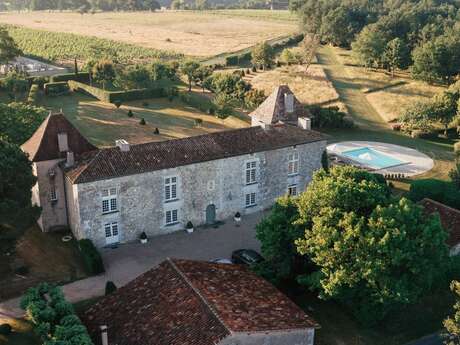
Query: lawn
{"points": [[103, 123], [388, 95], [191, 33], [44, 255]]}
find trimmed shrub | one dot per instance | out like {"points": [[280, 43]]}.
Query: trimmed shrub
{"points": [[117, 103], [110, 287], [56, 89], [156, 131], [231, 60], [142, 122], [40, 81], [198, 122], [82, 77], [33, 94], [5, 329], [130, 113], [441, 191], [329, 117], [91, 257]]}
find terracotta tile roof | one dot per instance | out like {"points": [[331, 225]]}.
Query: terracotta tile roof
{"points": [[112, 162], [273, 109], [450, 218], [184, 302], [43, 144]]}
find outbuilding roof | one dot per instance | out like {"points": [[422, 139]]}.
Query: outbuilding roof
{"points": [[184, 302]]}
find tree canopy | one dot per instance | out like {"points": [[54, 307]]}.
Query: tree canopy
{"points": [[8, 48]]}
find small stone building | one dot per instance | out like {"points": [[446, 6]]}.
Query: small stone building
{"points": [[183, 302], [114, 194]]}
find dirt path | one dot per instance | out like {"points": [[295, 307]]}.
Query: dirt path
{"points": [[363, 113]]}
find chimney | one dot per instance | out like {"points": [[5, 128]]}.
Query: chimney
{"points": [[304, 123], [63, 142], [289, 103], [122, 144], [104, 337], [70, 161]]}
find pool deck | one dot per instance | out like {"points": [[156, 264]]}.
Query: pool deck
{"points": [[416, 162]]}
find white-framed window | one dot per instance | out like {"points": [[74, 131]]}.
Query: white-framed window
{"points": [[251, 172], [250, 199], [171, 217], [292, 190], [109, 200], [293, 163], [111, 229], [53, 194], [171, 188]]}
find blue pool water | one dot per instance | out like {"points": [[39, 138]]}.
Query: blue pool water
{"points": [[372, 158]]}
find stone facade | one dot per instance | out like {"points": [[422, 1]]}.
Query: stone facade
{"points": [[294, 337], [49, 194], [201, 188]]}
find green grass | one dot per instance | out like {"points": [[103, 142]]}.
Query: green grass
{"points": [[103, 123], [371, 125]]}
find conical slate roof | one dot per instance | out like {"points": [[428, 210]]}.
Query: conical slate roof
{"points": [[273, 109], [43, 144]]}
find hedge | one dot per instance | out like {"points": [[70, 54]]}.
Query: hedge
{"points": [[56, 89], [91, 257], [113, 96], [441, 191], [33, 94], [82, 77], [53, 317]]}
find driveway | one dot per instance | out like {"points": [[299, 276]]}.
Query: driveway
{"points": [[127, 261]]}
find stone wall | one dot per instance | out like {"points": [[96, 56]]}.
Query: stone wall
{"points": [[295, 337], [54, 214], [141, 205]]}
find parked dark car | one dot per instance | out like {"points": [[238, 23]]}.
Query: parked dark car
{"points": [[246, 257]]}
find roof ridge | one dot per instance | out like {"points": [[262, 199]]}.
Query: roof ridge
{"points": [[197, 292], [443, 205]]}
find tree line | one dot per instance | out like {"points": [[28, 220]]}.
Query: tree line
{"points": [[390, 34]]}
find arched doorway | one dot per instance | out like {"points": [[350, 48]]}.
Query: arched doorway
{"points": [[210, 214]]}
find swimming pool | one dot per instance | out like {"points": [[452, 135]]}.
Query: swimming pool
{"points": [[372, 158]]}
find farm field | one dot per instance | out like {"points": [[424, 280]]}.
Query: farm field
{"points": [[103, 123], [320, 90], [199, 34]]}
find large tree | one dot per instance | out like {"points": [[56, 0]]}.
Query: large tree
{"points": [[8, 48], [189, 69], [104, 72], [396, 55], [277, 233], [16, 182], [19, 121], [452, 323], [263, 55], [369, 47]]}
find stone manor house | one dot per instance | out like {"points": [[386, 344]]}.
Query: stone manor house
{"points": [[112, 195]]}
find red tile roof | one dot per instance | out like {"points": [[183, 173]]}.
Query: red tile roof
{"points": [[43, 144], [450, 218], [184, 302], [112, 162], [273, 109]]}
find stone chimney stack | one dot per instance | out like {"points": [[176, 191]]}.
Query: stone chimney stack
{"points": [[104, 336], [304, 123], [122, 144]]}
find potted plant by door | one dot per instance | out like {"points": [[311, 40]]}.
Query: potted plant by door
{"points": [[143, 237], [189, 227], [237, 218]]}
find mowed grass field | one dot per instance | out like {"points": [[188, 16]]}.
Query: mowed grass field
{"points": [[103, 123], [193, 33]]}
